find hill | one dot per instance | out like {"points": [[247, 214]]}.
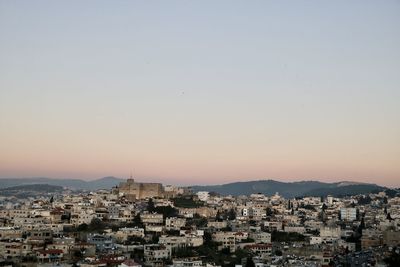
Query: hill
{"points": [[31, 190], [34, 187], [76, 184], [290, 189]]}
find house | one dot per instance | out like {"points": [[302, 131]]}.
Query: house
{"points": [[226, 240], [102, 242], [14, 249], [187, 262], [155, 254], [130, 263], [260, 237], [217, 224], [260, 249], [124, 233], [181, 241], [151, 218], [49, 255], [174, 223]]}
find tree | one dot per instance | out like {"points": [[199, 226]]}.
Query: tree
{"points": [[207, 238], [213, 194], [198, 221], [82, 227], [364, 200], [361, 226], [250, 262], [218, 216], [231, 214], [390, 192], [150, 205], [154, 239], [166, 211], [96, 225], [322, 216], [225, 251], [29, 258], [277, 236], [137, 221], [269, 211], [183, 252], [78, 254], [394, 258], [308, 207], [187, 202], [324, 207]]}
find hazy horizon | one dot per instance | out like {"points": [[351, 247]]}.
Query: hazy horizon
{"points": [[168, 181], [201, 92]]}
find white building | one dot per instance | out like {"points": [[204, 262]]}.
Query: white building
{"points": [[348, 214], [260, 237], [203, 195], [174, 223], [226, 239], [187, 263], [181, 241], [154, 253]]}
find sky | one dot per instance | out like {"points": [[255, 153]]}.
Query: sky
{"points": [[201, 92]]}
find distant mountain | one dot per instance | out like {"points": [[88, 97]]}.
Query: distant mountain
{"points": [[76, 184], [267, 187], [291, 189], [346, 190], [30, 190], [33, 187]]}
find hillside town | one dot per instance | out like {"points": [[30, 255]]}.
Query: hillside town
{"points": [[148, 224]]}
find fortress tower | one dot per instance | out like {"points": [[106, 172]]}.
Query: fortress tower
{"points": [[133, 190]]}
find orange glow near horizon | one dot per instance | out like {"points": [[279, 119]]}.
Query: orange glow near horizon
{"points": [[200, 93]]}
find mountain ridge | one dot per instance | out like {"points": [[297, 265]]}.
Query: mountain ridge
{"points": [[291, 189], [101, 183], [268, 186]]}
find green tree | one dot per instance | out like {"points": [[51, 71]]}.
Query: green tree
{"points": [[96, 225], [82, 227], [231, 215], [394, 259], [166, 211], [154, 239], [150, 205], [187, 202], [250, 262], [136, 222], [183, 253], [269, 211]]}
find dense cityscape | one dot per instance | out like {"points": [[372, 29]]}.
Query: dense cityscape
{"points": [[148, 224], [256, 133]]}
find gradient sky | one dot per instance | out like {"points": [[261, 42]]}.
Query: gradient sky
{"points": [[201, 92]]}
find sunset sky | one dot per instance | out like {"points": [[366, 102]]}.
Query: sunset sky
{"points": [[201, 92]]}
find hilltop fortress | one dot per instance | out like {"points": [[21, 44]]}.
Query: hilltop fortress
{"points": [[133, 190]]}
